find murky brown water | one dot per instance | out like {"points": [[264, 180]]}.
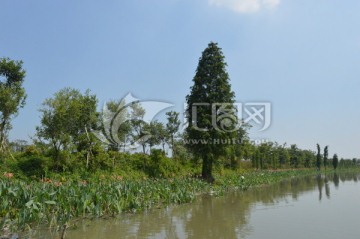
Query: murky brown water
{"points": [[309, 207]]}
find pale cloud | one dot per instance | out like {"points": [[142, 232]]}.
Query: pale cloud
{"points": [[245, 6]]}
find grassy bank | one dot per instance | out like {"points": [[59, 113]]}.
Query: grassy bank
{"points": [[25, 205]]}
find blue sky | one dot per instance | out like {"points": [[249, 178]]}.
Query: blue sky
{"points": [[302, 56]]}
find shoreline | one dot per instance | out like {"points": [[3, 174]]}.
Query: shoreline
{"points": [[59, 206]]}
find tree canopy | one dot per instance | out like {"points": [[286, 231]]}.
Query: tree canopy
{"points": [[211, 114], [67, 120], [12, 94]]}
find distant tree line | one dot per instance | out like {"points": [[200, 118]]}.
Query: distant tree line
{"points": [[68, 134]]}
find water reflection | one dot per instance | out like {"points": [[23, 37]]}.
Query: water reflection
{"points": [[336, 180], [324, 181], [212, 218]]}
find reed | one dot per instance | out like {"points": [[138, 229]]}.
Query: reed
{"points": [[26, 205]]}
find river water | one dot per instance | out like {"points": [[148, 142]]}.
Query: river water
{"points": [[306, 207]]}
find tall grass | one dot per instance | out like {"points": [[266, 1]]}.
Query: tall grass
{"points": [[26, 204], [30, 204]]}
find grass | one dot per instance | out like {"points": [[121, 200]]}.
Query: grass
{"points": [[28, 204]]}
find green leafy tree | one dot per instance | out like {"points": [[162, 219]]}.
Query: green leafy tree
{"points": [[120, 122], [309, 158], [265, 150], [67, 121], [163, 136], [256, 159], [326, 154], [242, 147], [245, 150], [294, 155], [172, 127], [157, 133], [12, 95], [210, 110], [335, 161], [318, 157], [283, 156], [140, 133], [274, 159]]}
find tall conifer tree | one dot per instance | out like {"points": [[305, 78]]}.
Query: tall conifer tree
{"points": [[211, 113]]}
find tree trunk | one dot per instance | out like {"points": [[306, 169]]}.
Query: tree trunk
{"points": [[144, 148], [2, 136], [56, 154], [172, 146], [124, 143], [207, 167], [2, 143], [88, 150]]}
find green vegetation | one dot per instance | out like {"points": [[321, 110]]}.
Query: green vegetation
{"points": [[69, 171], [12, 95], [335, 161], [56, 202], [210, 110], [29, 204], [66, 122], [172, 127], [326, 153], [318, 157]]}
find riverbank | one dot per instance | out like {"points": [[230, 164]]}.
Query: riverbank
{"points": [[27, 205]]}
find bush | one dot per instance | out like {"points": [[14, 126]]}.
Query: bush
{"points": [[32, 150], [102, 161], [161, 166], [33, 166], [121, 161], [139, 161]]}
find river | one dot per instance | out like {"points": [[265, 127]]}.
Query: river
{"points": [[305, 207]]}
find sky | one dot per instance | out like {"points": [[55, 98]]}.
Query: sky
{"points": [[303, 57]]}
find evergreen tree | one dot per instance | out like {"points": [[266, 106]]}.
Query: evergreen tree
{"points": [[211, 114], [335, 161], [326, 153], [318, 157]]}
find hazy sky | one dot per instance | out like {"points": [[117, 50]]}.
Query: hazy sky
{"points": [[302, 56]]}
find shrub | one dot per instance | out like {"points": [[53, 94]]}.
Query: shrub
{"points": [[161, 166], [32, 150], [139, 161], [33, 166]]}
